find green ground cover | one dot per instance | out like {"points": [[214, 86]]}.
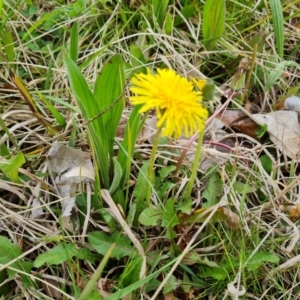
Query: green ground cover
{"points": [[101, 197]]}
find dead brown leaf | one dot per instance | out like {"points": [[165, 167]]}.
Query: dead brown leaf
{"points": [[284, 130]]}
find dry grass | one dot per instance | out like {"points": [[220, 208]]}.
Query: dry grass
{"points": [[206, 259]]}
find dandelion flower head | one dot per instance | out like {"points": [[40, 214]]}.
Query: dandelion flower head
{"points": [[177, 103]]}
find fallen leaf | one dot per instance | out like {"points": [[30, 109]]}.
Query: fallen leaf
{"points": [[238, 120], [148, 131], [229, 117], [36, 209], [51, 289], [284, 130], [72, 168]]}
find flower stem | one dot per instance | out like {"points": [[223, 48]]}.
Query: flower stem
{"points": [[151, 166], [195, 165]]}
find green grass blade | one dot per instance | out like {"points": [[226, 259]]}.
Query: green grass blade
{"points": [[132, 131], [213, 22], [57, 115], [49, 75], [138, 60], [277, 17], [92, 282], [41, 21], [74, 42], [11, 167], [133, 287], [9, 135], [277, 72]]}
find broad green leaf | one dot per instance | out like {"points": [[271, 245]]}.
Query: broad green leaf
{"points": [[166, 171], [240, 188], [140, 187], [109, 220], [138, 60], [108, 92], [131, 272], [94, 295], [151, 215], [56, 255], [169, 24], [127, 147], [259, 258], [213, 190], [214, 272], [277, 72], [169, 218], [4, 288], [162, 191], [133, 287], [11, 167], [90, 110], [186, 12], [267, 163], [41, 21], [186, 283], [277, 17], [4, 152], [102, 243], [74, 42], [210, 263], [24, 266], [62, 253], [85, 254], [274, 75], [185, 206], [172, 284], [152, 285], [10, 251], [118, 172], [9, 46], [131, 214], [159, 10], [213, 22]]}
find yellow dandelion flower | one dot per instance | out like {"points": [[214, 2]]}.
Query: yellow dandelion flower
{"points": [[176, 102]]}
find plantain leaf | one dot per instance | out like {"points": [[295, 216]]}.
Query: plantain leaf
{"points": [[74, 42], [90, 110], [277, 17], [9, 46], [213, 22], [108, 92]]}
